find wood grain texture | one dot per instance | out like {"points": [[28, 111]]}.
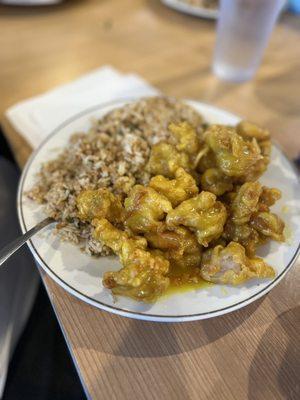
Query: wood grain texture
{"points": [[252, 353]]}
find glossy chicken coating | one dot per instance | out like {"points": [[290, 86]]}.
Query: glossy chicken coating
{"points": [[269, 225], [176, 190], [250, 222], [179, 246], [186, 138], [265, 147], [257, 169], [165, 159], [244, 234], [113, 237], [245, 202], [213, 180], [234, 156], [99, 203], [268, 198], [202, 214], [249, 130], [230, 265], [175, 221], [143, 276], [144, 209], [206, 161]]}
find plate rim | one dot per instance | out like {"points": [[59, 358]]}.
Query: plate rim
{"points": [[114, 309]]}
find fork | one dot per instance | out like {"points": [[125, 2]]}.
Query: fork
{"points": [[13, 246]]}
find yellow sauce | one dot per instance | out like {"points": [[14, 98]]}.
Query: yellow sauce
{"points": [[185, 280], [224, 290], [285, 209], [186, 287]]}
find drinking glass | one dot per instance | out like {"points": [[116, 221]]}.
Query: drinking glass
{"points": [[244, 28]]}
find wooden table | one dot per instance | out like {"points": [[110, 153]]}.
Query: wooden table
{"points": [[249, 354]]}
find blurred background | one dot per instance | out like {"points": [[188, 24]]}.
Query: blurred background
{"points": [[242, 55]]}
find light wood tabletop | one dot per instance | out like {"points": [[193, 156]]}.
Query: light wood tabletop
{"points": [[252, 353]]}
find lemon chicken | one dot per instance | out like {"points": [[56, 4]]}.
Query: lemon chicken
{"points": [[230, 265], [202, 214], [143, 275], [176, 190], [250, 221], [201, 217]]}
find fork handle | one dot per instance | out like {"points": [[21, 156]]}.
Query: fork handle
{"points": [[12, 247]]}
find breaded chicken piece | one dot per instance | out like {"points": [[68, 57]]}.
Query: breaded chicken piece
{"points": [[203, 214], [186, 137], [244, 234], [165, 159], [245, 202], [213, 180], [249, 130], [113, 237], [230, 265], [144, 209], [179, 246], [181, 188], [268, 198], [143, 275], [234, 155], [269, 225], [100, 203]]}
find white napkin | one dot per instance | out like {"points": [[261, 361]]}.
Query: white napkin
{"points": [[37, 117]]}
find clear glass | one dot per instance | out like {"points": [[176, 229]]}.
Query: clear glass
{"points": [[244, 28]]}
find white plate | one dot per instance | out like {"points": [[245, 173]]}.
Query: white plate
{"points": [[81, 274], [196, 11]]}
